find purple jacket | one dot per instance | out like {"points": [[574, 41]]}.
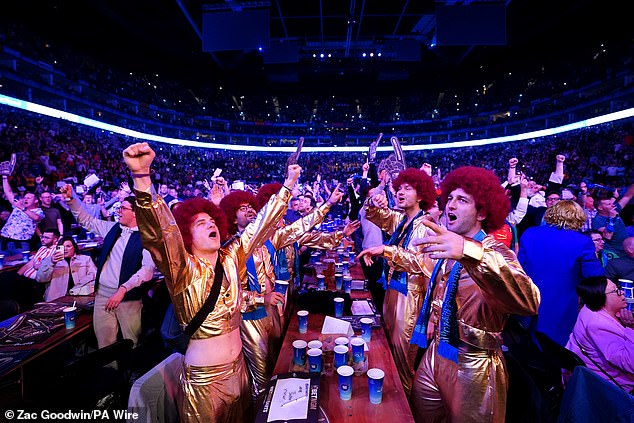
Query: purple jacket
{"points": [[608, 342]]}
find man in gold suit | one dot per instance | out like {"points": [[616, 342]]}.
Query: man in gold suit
{"points": [[261, 329], [186, 249], [415, 193], [475, 282]]}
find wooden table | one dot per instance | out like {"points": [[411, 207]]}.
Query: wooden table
{"points": [[15, 262], [58, 337], [394, 407]]}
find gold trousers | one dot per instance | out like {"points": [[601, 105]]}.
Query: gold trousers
{"points": [[216, 393], [400, 313], [472, 390], [258, 345]]}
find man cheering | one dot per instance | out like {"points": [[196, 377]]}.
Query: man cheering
{"points": [[476, 283]]}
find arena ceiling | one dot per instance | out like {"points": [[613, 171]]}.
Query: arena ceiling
{"points": [[416, 39]]}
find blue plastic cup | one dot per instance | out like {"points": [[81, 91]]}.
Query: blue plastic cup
{"points": [[70, 315], [321, 282], [341, 356], [375, 385], [299, 352], [345, 382], [366, 328], [338, 281], [315, 344], [314, 360], [338, 306], [302, 318], [347, 284], [342, 340], [1, 260], [346, 266], [628, 287], [281, 286], [358, 353], [25, 255]]}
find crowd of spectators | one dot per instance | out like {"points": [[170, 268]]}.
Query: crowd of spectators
{"points": [[51, 153], [57, 150]]}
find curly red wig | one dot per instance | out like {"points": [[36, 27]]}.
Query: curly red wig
{"points": [[421, 182], [185, 212], [232, 202], [265, 192], [486, 189]]}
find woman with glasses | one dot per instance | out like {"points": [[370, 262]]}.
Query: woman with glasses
{"points": [[67, 272], [603, 336]]}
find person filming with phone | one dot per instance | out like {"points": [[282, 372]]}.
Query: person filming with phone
{"points": [[67, 272]]}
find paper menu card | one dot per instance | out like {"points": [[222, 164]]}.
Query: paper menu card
{"points": [[336, 326], [361, 308], [290, 400]]}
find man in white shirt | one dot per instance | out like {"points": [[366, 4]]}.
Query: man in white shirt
{"points": [[121, 268]]}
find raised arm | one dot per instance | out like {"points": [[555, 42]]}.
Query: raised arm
{"points": [[623, 201], [157, 226], [8, 192]]}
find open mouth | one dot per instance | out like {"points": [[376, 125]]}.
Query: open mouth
{"points": [[452, 217], [213, 234]]}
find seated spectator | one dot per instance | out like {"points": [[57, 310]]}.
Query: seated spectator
{"points": [[600, 336], [622, 267], [67, 272], [21, 286]]}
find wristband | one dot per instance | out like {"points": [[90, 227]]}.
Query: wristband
{"points": [[139, 175]]}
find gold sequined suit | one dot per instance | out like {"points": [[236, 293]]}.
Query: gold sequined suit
{"points": [[302, 231], [262, 338], [491, 286], [399, 311], [216, 392]]}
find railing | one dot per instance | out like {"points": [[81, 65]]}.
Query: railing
{"points": [[37, 82]]}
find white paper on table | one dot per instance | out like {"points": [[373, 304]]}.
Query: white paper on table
{"points": [[290, 399], [361, 308], [336, 326], [357, 284]]}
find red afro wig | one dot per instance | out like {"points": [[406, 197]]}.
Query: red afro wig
{"points": [[265, 192], [232, 202], [185, 212], [421, 182], [485, 187]]}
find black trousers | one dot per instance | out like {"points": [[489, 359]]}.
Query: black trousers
{"points": [[373, 273]]}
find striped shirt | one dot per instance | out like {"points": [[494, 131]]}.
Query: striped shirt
{"points": [[40, 255]]}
